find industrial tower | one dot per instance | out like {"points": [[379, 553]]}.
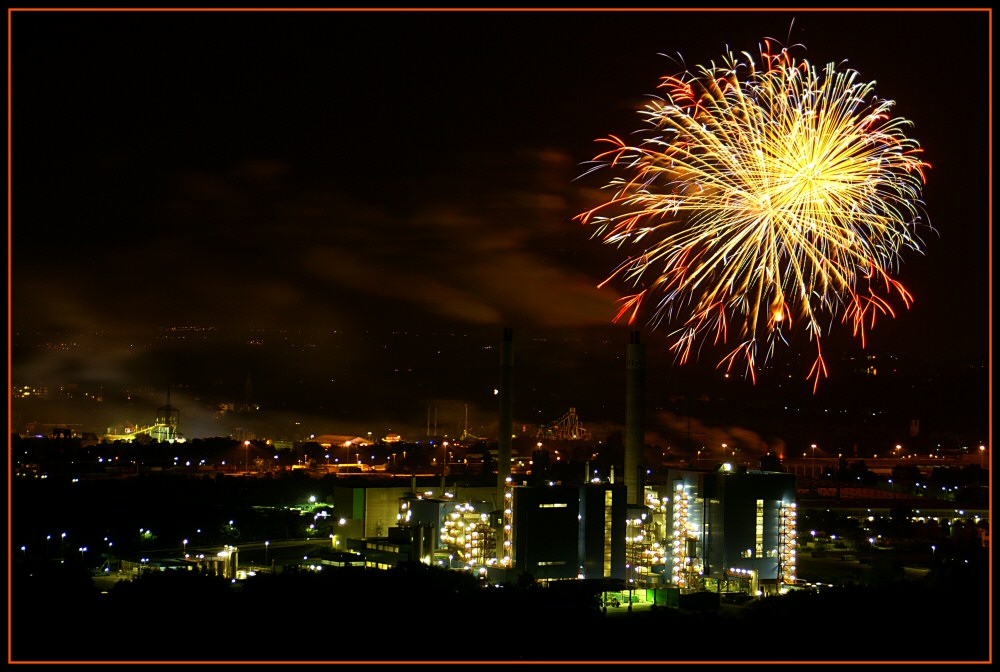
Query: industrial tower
{"points": [[635, 404], [505, 428]]}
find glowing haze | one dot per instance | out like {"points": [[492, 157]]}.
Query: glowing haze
{"points": [[764, 198]]}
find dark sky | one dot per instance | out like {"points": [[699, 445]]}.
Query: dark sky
{"points": [[339, 176]]}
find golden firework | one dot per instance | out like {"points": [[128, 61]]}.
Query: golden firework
{"points": [[762, 199]]}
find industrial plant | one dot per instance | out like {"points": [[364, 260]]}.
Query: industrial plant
{"points": [[500, 529], [720, 530], [670, 533]]}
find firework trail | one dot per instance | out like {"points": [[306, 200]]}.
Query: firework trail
{"points": [[762, 198]]}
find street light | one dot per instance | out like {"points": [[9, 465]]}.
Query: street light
{"points": [[184, 545], [982, 452], [266, 544], [814, 461], [246, 457]]}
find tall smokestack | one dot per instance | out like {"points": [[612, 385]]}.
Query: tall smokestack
{"points": [[506, 423], [635, 405]]}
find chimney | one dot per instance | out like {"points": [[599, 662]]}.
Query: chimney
{"points": [[635, 404], [506, 422]]}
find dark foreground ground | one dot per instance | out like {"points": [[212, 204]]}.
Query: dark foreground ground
{"points": [[419, 613]]}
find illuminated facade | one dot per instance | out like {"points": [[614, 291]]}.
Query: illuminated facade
{"points": [[468, 537], [722, 530], [167, 420], [505, 552], [460, 534]]}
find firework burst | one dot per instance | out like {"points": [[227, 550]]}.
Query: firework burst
{"points": [[764, 197]]}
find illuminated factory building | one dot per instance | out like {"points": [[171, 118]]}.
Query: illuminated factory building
{"points": [[459, 532], [698, 531], [163, 429], [553, 532], [722, 531], [716, 531]]}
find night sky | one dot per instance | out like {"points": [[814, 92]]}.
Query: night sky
{"points": [[356, 204]]}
